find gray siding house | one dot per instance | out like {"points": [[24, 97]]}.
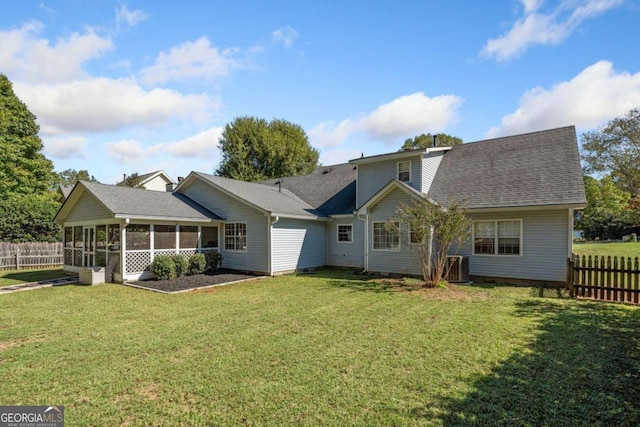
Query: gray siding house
{"points": [[520, 192]]}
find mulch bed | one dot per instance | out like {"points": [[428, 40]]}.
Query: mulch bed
{"points": [[183, 283]]}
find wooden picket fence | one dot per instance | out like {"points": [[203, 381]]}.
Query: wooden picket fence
{"points": [[30, 255], [605, 278]]}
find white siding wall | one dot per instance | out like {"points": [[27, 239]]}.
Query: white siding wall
{"points": [[298, 244], [430, 164], [373, 176], [402, 261], [346, 254], [544, 248], [255, 258], [87, 208], [156, 184]]}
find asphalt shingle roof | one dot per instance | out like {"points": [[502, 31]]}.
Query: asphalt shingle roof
{"points": [[267, 197], [330, 189], [140, 202], [533, 169]]}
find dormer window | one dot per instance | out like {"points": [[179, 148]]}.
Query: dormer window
{"points": [[404, 171]]}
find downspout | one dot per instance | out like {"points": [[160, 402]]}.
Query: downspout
{"points": [[366, 241], [123, 249], [270, 221]]}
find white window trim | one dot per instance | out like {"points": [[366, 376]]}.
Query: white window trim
{"points": [[398, 170], [338, 233], [495, 246], [224, 233], [373, 238]]}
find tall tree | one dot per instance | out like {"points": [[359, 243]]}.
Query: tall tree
{"points": [[608, 214], [254, 150], [23, 167], [29, 218], [426, 141], [134, 180], [615, 149], [71, 176]]}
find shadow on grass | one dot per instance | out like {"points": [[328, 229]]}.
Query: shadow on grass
{"points": [[366, 282], [26, 276], [582, 369]]}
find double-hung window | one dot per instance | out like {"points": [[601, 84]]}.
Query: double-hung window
{"points": [[235, 236], [386, 238], [499, 237], [404, 171], [345, 233]]}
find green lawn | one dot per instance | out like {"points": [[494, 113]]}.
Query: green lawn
{"points": [[324, 349], [627, 249], [14, 277]]}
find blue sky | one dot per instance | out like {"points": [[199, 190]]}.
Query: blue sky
{"points": [[137, 86]]}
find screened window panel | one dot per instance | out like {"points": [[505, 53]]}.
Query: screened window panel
{"points": [[188, 236], [209, 237], [138, 237], [164, 236]]}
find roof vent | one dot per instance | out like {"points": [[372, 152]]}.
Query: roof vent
{"points": [[326, 171]]}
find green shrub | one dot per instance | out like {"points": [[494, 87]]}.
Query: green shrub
{"points": [[197, 264], [163, 267], [181, 264], [214, 260]]}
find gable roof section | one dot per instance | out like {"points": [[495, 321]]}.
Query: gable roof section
{"points": [[392, 185], [149, 176], [265, 198], [127, 202], [533, 169], [329, 189]]}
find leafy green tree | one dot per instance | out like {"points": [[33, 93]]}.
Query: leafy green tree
{"points": [[71, 176], [608, 214], [28, 218], [23, 167], [255, 150], [432, 232], [426, 141], [134, 180], [615, 150]]}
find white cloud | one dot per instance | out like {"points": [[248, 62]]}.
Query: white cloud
{"points": [[285, 35], [596, 95], [334, 157], [403, 117], [131, 151], [128, 18], [65, 147], [189, 61], [201, 145], [544, 29], [34, 59], [102, 104], [531, 5]]}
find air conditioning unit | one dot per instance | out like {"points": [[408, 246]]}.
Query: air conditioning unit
{"points": [[457, 269]]}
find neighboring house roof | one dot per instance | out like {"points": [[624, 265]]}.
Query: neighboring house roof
{"points": [[532, 169], [329, 189], [267, 198], [65, 190], [149, 176], [127, 202]]}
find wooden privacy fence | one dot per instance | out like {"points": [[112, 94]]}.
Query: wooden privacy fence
{"points": [[605, 278], [19, 256]]}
